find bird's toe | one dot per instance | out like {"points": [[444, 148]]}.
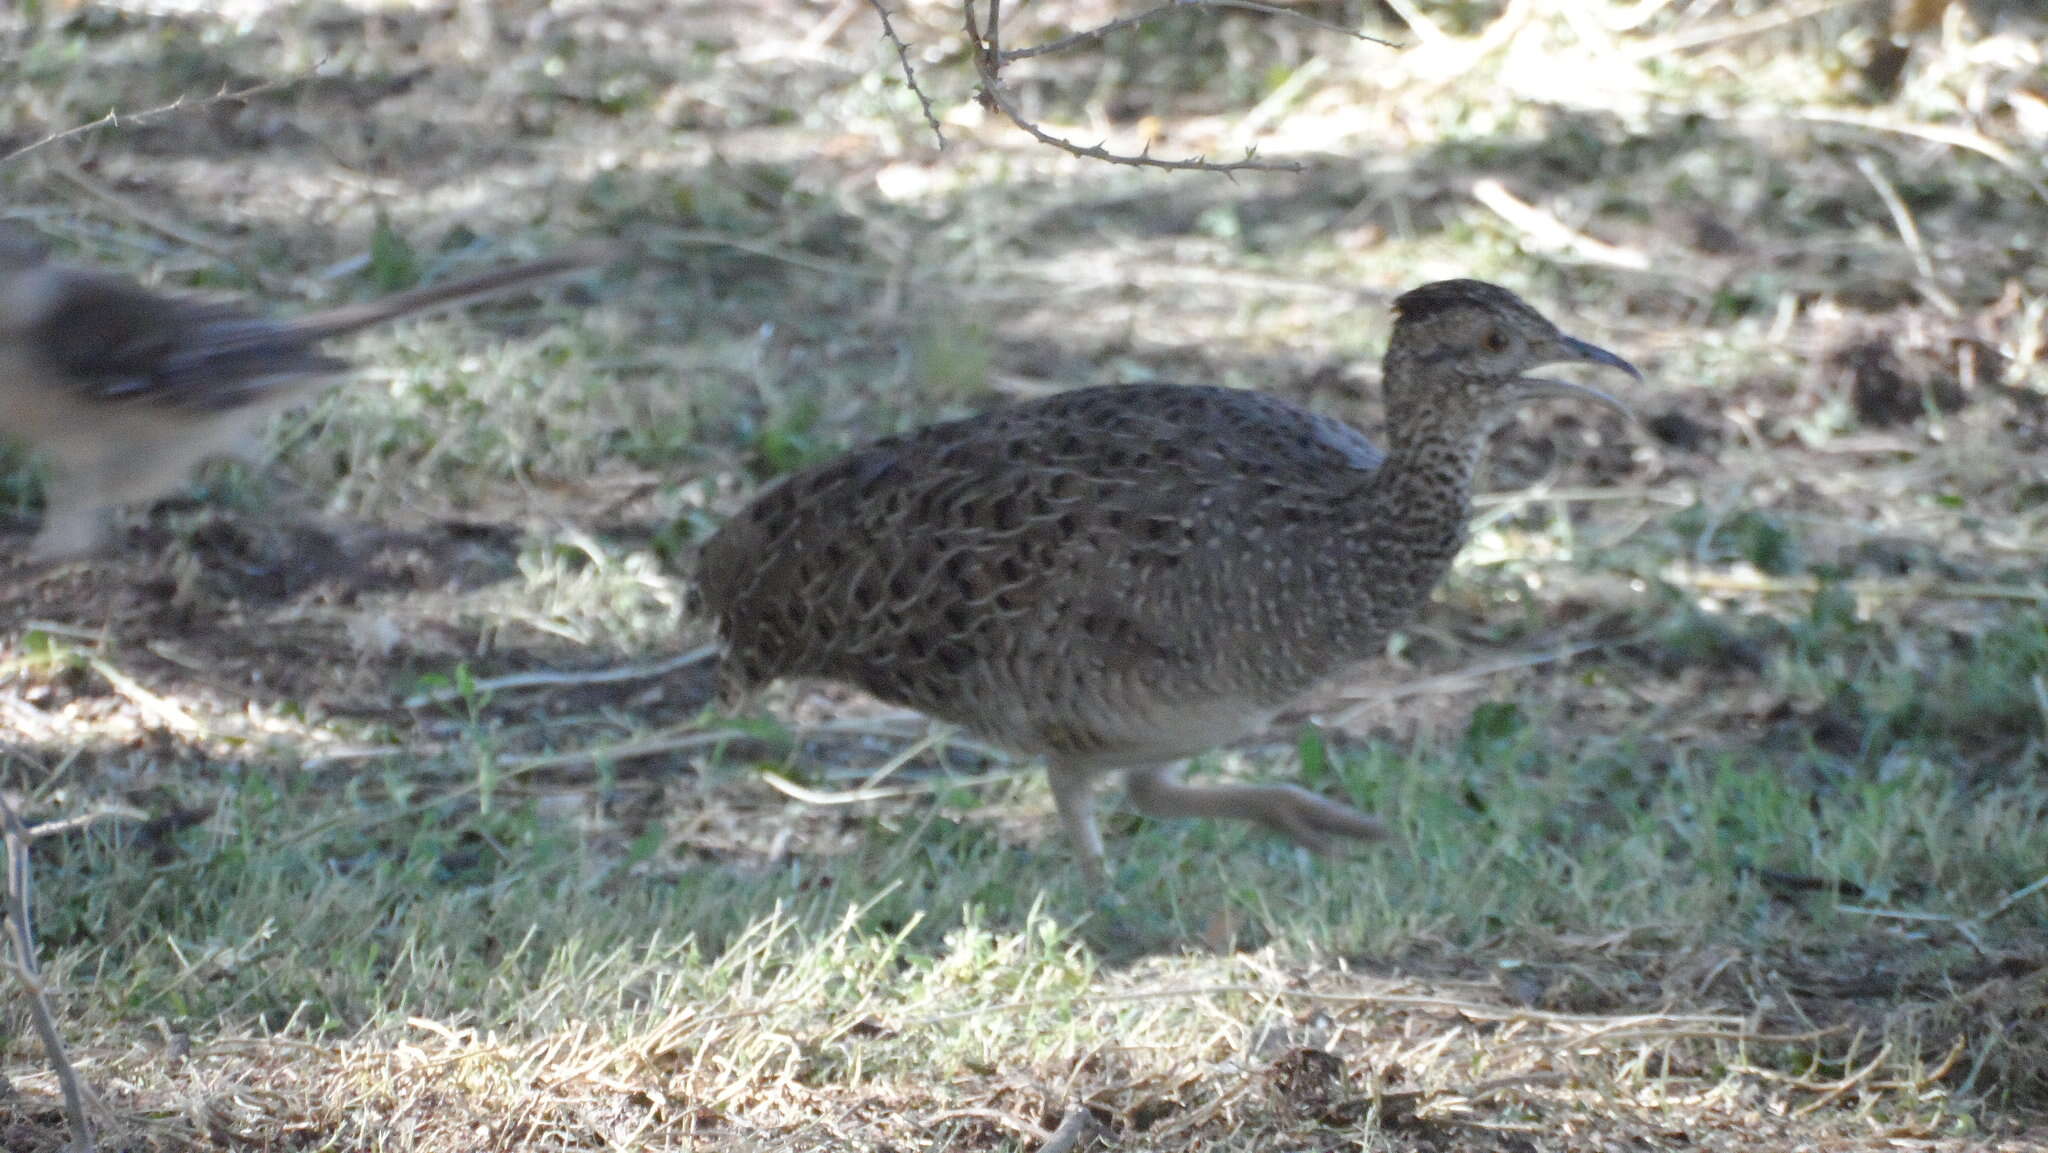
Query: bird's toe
{"points": [[1318, 824]]}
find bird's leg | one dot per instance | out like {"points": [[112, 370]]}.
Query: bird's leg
{"points": [[1074, 792], [736, 689], [74, 515], [89, 482], [1308, 820], [149, 469]]}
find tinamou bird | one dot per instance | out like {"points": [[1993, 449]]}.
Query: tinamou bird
{"points": [[1116, 579], [125, 389]]}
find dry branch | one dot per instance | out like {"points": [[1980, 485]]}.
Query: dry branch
{"points": [[2005, 906], [1909, 235], [561, 678], [1546, 230], [988, 63], [114, 117], [1101, 30], [28, 974], [990, 57], [909, 73]]}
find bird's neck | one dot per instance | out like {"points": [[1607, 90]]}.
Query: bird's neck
{"points": [[1422, 498], [1407, 524]]}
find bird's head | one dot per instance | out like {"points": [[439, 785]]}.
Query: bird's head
{"points": [[1459, 360]]}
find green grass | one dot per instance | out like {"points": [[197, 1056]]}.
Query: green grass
{"points": [[541, 938]]}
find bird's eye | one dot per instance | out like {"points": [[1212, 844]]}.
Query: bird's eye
{"points": [[1495, 340]]}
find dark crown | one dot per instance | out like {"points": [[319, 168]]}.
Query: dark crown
{"points": [[1446, 295]]}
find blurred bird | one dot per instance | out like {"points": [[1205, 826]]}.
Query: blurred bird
{"points": [[1885, 70], [126, 389], [1119, 578]]}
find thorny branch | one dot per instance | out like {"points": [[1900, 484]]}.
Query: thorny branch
{"points": [[1102, 30], [15, 836], [909, 73], [114, 118], [988, 63], [990, 57]]}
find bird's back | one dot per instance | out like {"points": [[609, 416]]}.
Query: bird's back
{"points": [[105, 341], [111, 341], [1094, 575]]}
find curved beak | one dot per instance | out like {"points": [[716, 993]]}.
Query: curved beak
{"points": [[1570, 350]]}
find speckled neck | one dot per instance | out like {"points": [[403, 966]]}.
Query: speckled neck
{"points": [[1422, 495], [1407, 522], [1412, 516]]}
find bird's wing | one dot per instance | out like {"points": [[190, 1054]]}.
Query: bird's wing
{"points": [[1162, 477], [918, 560], [114, 341]]}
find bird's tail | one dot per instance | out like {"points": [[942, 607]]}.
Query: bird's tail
{"points": [[355, 317]]}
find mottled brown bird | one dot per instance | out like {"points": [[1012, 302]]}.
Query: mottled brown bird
{"points": [[1119, 578], [125, 389]]}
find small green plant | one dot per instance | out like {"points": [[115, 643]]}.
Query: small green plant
{"points": [[394, 264], [789, 440]]}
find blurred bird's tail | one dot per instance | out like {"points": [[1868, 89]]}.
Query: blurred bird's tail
{"points": [[355, 317]]}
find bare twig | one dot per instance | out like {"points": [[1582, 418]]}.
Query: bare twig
{"points": [[684, 738], [142, 214], [1832, 1093], [1102, 30], [1356, 705], [995, 30], [661, 742], [710, 238], [1425, 29], [870, 790], [1966, 139], [72, 824], [989, 66], [1730, 582], [1909, 234], [2013, 898], [1547, 231], [28, 974], [163, 711], [909, 73], [827, 798], [115, 118], [561, 678], [1720, 33], [1012, 1122], [652, 745], [1143, 159]]}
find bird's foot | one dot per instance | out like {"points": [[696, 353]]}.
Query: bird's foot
{"points": [[1317, 823]]}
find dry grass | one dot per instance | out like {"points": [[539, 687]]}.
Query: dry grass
{"points": [[1717, 762]]}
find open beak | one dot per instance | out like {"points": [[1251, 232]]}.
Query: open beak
{"points": [[1571, 349]]}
